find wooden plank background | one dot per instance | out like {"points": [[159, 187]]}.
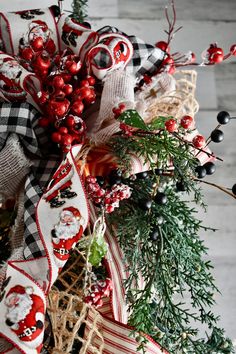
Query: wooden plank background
{"points": [[204, 22]]}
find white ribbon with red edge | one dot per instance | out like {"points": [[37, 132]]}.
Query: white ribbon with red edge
{"points": [[40, 273]]}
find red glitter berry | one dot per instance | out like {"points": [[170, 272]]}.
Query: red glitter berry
{"points": [[186, 122], [198, 141], [171, 125]]}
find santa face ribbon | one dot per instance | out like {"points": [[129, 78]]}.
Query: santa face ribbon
{"points": [[61, 216]]}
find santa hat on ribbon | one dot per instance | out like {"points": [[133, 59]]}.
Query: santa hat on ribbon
{"points": [[19, 289], [72, 210]]}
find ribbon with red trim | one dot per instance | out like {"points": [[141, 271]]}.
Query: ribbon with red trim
{"points": [[61, 215]]}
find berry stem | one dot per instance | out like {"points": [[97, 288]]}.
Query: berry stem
{"points": [[225, 190]]}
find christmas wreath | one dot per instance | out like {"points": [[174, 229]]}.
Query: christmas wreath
{"points": [[101, 164]]}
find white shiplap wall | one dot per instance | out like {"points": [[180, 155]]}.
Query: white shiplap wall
{"points": [[204, 21]]}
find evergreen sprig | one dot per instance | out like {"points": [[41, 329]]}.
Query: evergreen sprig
{"points": [[173, 264]]}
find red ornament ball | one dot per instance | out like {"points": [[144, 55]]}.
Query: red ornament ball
{"points": [[171, 125], [199, 141], [187, 122]]}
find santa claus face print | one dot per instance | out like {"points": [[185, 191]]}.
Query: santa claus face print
{"points": [[66, 234], [18, 306]]}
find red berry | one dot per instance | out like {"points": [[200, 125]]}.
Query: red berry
{"points": [[91, 80], [58, 108], [163, 46], [84, 83], [186, 122], [67, 139], [116, 111], [44, 122], [198, 141], [27, 54], [171, 125], [37, 44], [67, 89], [73, 67], [90, 99], [122, 107], [63, 130], [77, 107], [100, 193], [233, 49], [70, 121], [85, 92], [216, 58], [58, 82], [42, 97], [107, 200], [110, 208], [56, 137]]}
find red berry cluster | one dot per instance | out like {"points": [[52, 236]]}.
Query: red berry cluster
{"points": [[65, 96], [70, 131], [118, 110], [215, 54], [109, 197], [186, 122], [36, 49], [99, 290], [126, 129]]}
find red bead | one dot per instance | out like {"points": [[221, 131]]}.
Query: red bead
{"points": [[233, 49], [171, 125], [44, 122], [107, 200], [199, 141], [84, 83], [67, 139], [70, 121], [186, 122], [27, 54], [63, 130], [37, 44], [77, 107], [163, 46], [122, 107], [91, 80], [58, 82], [67, 89], [56, 137]]}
